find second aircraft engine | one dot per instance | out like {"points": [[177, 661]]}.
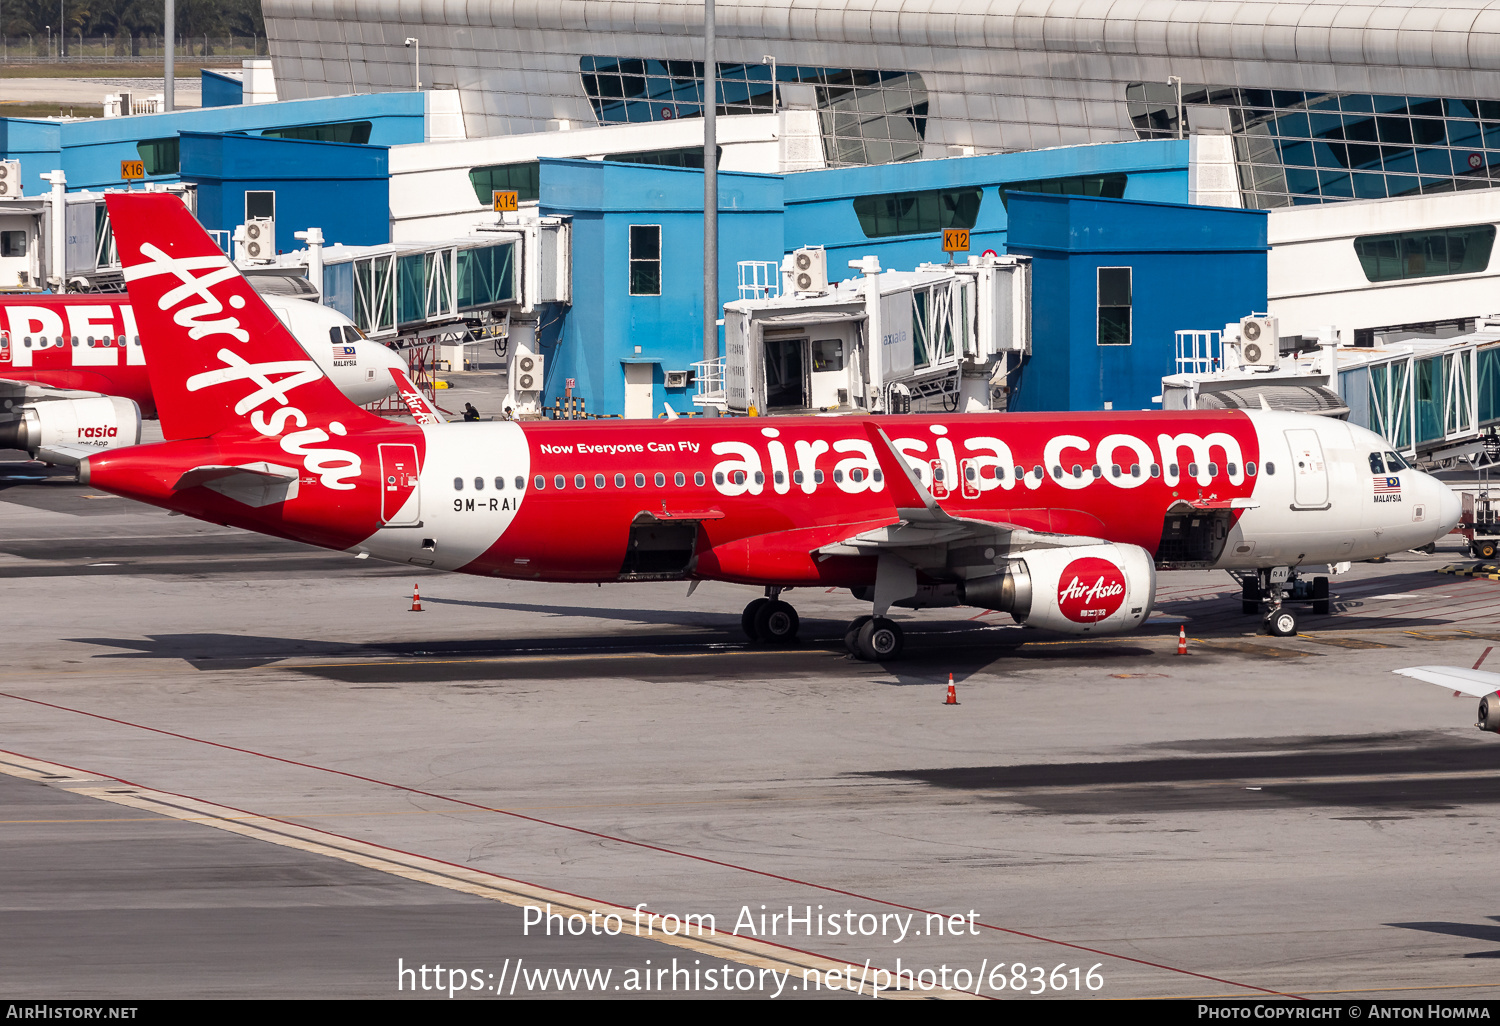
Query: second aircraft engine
{"points": [[1082, 589]]}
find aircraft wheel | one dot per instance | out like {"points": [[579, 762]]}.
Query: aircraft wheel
{"points": [[879, 640], [851, 636], [1320, 604], [749, 616], [1282, 623], [1249, 598], [776, 622]]}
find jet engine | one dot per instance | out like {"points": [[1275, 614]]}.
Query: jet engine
{"points": [[97, 422], [1489, 714], [1081, 589]]}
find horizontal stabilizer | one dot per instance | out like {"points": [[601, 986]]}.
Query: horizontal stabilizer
{"points": [[1477, 683], [253, 484], [66, 455]]}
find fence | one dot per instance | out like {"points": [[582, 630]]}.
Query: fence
{"points": [[32, 49]]}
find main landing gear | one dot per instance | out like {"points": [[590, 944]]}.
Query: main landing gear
{"points": [[769, 621], [1268, 591], [874, 639]]}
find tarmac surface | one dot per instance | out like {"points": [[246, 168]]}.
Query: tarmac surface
{"points": [[232, 766]]}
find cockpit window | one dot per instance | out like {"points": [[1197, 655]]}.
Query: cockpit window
{"points": [[1394, 462], [1377, 465]]}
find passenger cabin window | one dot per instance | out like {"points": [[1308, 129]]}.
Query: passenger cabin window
{"points": [[540, 482], [698, 479], [560, 481], [458, 484]]}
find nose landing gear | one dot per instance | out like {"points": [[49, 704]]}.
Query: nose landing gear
{"points": [[1268, 591]]}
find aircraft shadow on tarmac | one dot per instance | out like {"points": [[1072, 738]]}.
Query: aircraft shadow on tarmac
{"points": [[1474, 931], [1383, 772]]}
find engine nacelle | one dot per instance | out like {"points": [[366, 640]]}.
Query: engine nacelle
{"points": [[98, 422], [1489, 714], [1085, 589]]}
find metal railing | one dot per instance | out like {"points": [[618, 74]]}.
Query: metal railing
{"points": [[1199, 352], [708, 375], [760, 279]]}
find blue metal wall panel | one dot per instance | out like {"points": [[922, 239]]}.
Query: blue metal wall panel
{"points": [[222, 90], [606, 323], [820, 204], [90, 151], [1192, 267], [341, 188]]}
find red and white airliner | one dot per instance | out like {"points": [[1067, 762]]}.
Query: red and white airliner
{"points": [[73, 370], [1061, 520]]}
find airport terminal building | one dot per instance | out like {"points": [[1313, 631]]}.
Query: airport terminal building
{"points": [[1324, 100]]}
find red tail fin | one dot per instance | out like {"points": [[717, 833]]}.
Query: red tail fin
{"points": [[213, 350]]}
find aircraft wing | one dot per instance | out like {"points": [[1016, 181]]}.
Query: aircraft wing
{"points": [[1477, 683], [923, 523]]}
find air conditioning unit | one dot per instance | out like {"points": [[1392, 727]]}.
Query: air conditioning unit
{"points": [[527, 371], [10, 178], [1258, 341], [260, 238], [678, 379], [810, 270]]}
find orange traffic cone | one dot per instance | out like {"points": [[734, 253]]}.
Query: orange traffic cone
{"points": [[952, 695], [1182, 640], [416, 600]]}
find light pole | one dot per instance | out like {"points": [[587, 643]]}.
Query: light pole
{"points": [[169, 76], [710, 192], [1176, 80], [769, 59], [416, 45]]}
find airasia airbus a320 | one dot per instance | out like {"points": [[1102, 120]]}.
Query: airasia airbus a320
{"points": [[1061, 520]]}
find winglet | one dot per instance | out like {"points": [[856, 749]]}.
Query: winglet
{"points": [[910, 498]]}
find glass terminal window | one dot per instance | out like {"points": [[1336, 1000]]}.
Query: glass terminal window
{"points": [[161, 156], [910, 213], [864, 116], [1294, 147], [333, 131], [1107, 186], [1426, 254], [525, 179]]}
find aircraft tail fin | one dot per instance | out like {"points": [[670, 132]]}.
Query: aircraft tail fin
{"points": [[215, 352]]}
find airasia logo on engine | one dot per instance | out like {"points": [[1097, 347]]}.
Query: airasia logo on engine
{"points": [[1090, 590], [98, 432]]}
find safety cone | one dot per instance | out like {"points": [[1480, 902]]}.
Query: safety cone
{"points": [[952, 695], [1182, 640], [416, 600]]}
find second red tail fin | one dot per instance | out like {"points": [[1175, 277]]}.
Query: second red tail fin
{"points": [[216, 354]]}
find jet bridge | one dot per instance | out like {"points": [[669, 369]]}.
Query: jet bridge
{"points": [[941, 336], [1435, 399]]}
